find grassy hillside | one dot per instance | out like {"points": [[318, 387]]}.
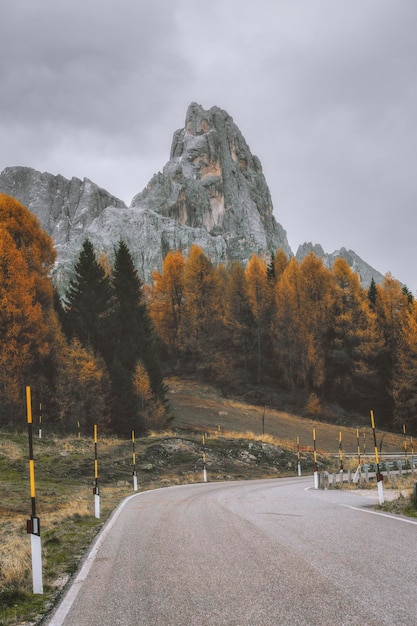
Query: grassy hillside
{"points": [[202, 407], [64, 471]]}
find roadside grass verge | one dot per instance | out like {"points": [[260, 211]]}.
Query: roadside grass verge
{"points": [[64, 477]]}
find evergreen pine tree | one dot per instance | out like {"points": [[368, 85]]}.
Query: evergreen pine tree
{"points": [[87, 301], [133, 338], [372, 292]]}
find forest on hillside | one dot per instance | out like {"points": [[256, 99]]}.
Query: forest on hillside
{"points": [[99, 353]]}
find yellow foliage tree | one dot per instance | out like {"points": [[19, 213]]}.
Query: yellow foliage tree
{"points": [[202, 303], [404, 382], [154, 416], [83, 388], [260, 296], [166, 302], [303, 314]]}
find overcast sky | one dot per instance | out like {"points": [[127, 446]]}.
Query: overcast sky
{"points": [[324, 92]]}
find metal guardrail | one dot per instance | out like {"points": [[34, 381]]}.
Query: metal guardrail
{"points": [[330, 479]]}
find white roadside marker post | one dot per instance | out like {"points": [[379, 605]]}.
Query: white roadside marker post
{"points": [[341, 458], [204, 462], [379, 477], [135, 475], [357, 473], [96, 489], [315, 468], [40, 421], [33, 524], [298, 457]]}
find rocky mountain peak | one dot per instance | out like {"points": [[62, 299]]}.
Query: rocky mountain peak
{"points": [[211, 192], [212, 180]]}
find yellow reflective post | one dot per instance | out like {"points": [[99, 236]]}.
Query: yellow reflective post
{"points": [[33, 525], [405, 447], [96, 489], [379, 477], [357, 473], [340, 451], [31, 461]]}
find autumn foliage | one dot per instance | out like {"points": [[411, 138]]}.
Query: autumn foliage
{"points": [[28, 325], [298, 327], [310, 334]]}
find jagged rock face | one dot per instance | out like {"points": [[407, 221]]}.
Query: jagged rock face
{"points": [[211, 193], [364, 270], [148, 236], [212, 180], [64, 207]]}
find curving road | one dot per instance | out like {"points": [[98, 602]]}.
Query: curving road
{"points": [[262, 553]]}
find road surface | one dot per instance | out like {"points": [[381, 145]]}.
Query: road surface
{"points": [[265, 552]]}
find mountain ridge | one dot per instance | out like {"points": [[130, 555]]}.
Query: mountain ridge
{"points": [[211, 192]]}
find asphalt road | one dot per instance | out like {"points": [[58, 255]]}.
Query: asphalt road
{"points": [[258, 552]]}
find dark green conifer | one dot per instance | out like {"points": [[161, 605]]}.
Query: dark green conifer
{"points": [[87, 300], [132, 335], [372, 292]]}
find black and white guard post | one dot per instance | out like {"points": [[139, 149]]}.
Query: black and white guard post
{"points": [[204, 462], [298, 457], [96, 489], [315, 468], [135, 475], [379, 477], [358, 471], [33, 524], [40, 420]]}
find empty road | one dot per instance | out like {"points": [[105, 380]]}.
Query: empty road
{"points": [[265, 552]]}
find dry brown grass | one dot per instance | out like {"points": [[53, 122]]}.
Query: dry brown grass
{"points": [[200, 406], [11, 450], [15, 562]]}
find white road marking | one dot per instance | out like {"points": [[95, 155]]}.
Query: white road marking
{"points": [[399, 519], [69, 598]]}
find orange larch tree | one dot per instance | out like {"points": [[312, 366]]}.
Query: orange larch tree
{"points": [[166, 303], [29, 331], [260, 297]]}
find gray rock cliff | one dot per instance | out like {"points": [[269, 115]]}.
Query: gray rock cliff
{"points": [[64, 207], [211, 192], [212, 180]]}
